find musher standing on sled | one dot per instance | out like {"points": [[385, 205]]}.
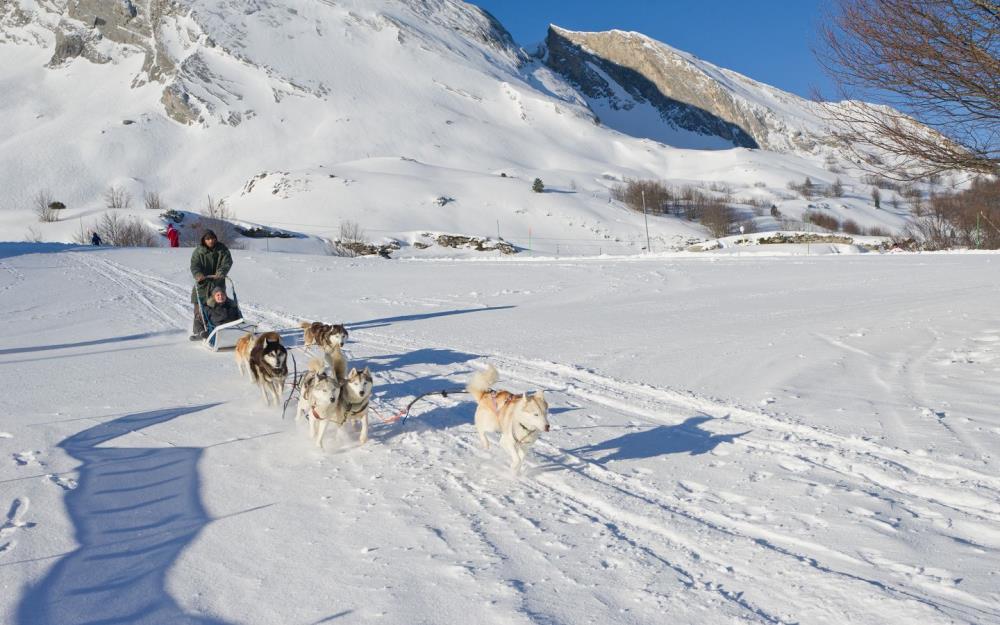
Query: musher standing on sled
{"points": [[210, 264]]}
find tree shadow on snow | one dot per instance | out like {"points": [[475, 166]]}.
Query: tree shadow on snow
{"points": [[292, 337], [409, 388], [134, 511], [385, 321], [113, 339], [683, 438]]}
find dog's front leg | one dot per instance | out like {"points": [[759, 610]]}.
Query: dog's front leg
{"points": [[508, 443], [364, 427], [319, 435]]}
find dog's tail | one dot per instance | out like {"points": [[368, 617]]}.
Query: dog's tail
{"points": [[316, 366], [481, 382], [271, 337], [337, 363], [305, 325]]}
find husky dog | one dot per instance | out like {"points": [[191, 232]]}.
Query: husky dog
{"points": [[327, 337], [241, 354], [268, 364], [319, 401], [518, 418], [355, 394]]}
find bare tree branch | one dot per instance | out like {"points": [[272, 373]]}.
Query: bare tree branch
{"points": [[937, 62]]}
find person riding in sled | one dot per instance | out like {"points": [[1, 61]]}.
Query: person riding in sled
{"points": [[220, 309], [210, 264]]}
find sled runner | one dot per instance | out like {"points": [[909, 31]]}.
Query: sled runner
{"points": [[224, 336]]}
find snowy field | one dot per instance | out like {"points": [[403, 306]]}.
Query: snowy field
{"points": [[736, 439]]}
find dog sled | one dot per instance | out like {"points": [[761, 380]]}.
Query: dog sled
{"points": [[224, 336]]}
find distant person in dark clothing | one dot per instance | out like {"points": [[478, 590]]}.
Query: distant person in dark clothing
{"points": [[95, 239], [210, 264]]}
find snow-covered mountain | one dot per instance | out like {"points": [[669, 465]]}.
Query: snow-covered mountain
{"points": [[646, 88], [403, 115]]}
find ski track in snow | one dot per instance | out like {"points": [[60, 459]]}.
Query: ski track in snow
{"points": [[646, 528]]}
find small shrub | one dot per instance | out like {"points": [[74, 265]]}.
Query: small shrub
{"points": [[851, 227], [538, 186], [117, 197], [837, 188], [877, 197], [775, 212], [33, 235], [829, 222], [878, 231]]}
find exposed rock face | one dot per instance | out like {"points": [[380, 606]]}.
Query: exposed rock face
{"points": [[689, 94], [674, 89]]}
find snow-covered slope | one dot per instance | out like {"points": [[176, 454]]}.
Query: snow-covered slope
{"points": [[193, 98], [730, 444]]}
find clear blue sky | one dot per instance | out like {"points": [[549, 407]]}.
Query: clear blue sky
{"points": [[767, 40]]}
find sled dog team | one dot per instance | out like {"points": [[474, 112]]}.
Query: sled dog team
{"points": [[331, 393]]}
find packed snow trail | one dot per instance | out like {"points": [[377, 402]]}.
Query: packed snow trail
{"points": [[644, 503]]}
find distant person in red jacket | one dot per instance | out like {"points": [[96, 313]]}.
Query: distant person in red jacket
{"points": [[173, 236]]}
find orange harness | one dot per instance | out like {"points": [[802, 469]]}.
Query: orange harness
{"points": [[508, 398]]}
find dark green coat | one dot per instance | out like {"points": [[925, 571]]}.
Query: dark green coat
{"points": [[206, 262]]}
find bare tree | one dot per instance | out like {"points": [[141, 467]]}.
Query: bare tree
{"points": [[935, 61], [657, 195], [118, 231], [351, 242], [837, 188], [42, 204], [152, 200], [718, 218], [117, 197], [218, 209]]}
